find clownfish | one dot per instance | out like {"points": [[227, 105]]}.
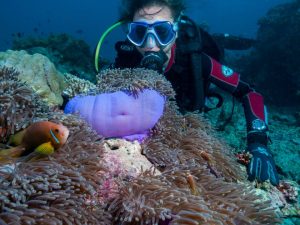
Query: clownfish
{"points": [[40, 138]]}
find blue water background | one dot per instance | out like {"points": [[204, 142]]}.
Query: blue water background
{"points": [[88, 19]]}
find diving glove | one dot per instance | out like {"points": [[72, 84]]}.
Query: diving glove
{"points": [[261, 166]]}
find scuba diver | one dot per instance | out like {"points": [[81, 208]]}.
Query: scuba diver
{"points": [[161, 38]]}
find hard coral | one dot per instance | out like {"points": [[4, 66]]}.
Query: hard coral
{"points": [[67, 53], [38, 72]]}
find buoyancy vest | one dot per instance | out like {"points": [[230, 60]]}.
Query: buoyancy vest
{"points": [[187, 75]]}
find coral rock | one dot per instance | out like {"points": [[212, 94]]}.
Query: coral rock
{"points": [[38, 72], [129, 156]]}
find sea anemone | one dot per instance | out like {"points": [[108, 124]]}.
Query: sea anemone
{"points": [[169, 198], [199, 181], [133, 81], [61, 188], [19, 105]]}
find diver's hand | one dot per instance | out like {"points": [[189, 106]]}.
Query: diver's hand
{"points": [[261, 166]]}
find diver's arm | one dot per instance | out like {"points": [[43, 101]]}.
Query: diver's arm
{"points": [[262, 165]]}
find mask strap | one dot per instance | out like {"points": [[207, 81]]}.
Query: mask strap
{"points": [[103, 36], [178, 21]]}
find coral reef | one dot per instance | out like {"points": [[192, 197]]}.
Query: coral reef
{"points": [[273, 65], [38, 72], [199, 180], [67, 53], [279, 197], [284, 134], [289, 191]]}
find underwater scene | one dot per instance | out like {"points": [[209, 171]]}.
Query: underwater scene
{"points": [[152, 112]]}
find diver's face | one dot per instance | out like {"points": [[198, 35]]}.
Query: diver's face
{"points": [[151, 14]]}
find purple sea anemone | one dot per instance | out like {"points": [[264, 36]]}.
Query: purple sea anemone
{"points": [[119, 114]]}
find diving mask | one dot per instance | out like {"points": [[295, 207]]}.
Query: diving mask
{"points": [[163, 31]]}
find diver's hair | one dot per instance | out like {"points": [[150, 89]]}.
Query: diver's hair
{"points": [[129, 7]]}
